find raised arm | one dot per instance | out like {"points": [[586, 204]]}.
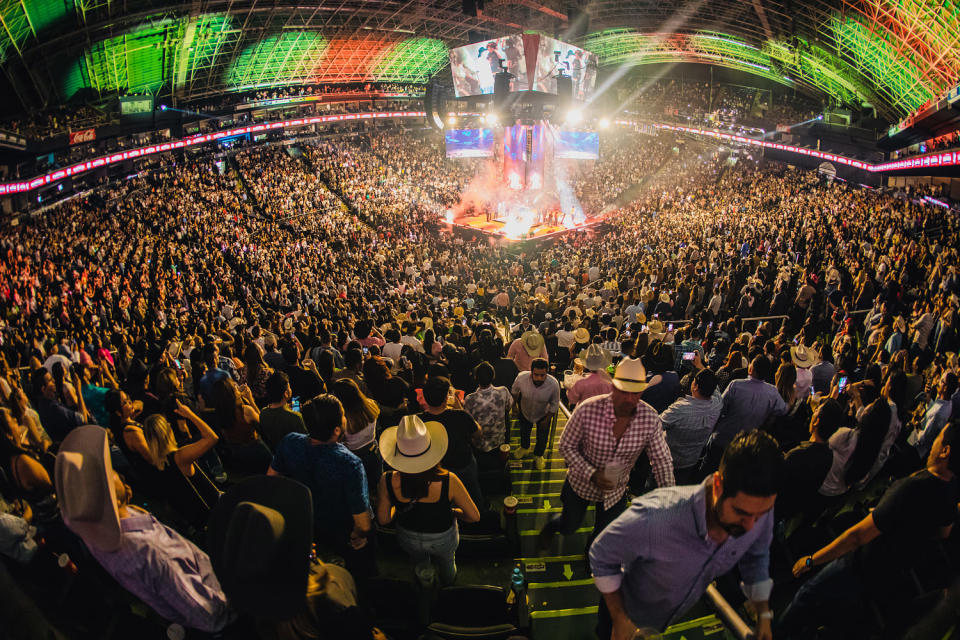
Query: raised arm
{"points": [[186, 456]]}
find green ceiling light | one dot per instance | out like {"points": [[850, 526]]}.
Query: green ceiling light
{"points": [[205, 38], [414, 60], [814, 67], [22, 19], [889, 67], [625, 47], [136, 62], [285, 58]]}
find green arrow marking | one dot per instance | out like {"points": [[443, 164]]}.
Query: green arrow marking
{"points": [[567, 571]]}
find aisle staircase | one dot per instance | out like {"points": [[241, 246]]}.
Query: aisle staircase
{"points": [[562, 600]]}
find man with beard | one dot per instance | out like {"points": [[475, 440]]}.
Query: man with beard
{"points": [[656, 560]]}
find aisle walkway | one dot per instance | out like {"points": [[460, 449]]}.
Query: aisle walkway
{"points": [[561, 595], [562, 598]]}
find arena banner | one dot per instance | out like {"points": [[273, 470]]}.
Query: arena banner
{"points": [[84, 135]]}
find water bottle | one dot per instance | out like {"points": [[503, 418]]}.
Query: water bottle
{"points": [[517, 588], [517, 580]]}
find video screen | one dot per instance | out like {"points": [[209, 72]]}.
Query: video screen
{"points": [[474, 65], [554, 57], [469, 143], [578, 145]]}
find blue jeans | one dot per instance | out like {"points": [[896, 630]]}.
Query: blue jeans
{"points": [[440, 547], [575, 510], [838, 588]]}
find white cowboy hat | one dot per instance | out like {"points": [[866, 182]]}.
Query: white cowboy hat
{"points": [[414, 446], [595, 358], [581, 335], [630, 376], [83, 475]]}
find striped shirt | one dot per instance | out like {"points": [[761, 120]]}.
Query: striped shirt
{"points": [[588, 444]]}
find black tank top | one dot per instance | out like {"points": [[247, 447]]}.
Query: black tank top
{"points": [[424, 517]]}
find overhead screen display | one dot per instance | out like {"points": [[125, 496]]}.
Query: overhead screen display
{"points": [[475, 65], [578, 145], [469, 143], [554, 57]]}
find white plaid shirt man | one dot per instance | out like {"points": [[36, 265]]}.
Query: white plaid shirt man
{"points": [[587, 444]]}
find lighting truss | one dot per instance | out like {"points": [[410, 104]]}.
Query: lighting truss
{"points": [[897, 54]]}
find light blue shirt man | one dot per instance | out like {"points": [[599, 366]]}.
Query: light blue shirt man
{"points": [[662, 558]]}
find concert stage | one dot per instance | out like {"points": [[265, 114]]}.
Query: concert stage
{"points": [[500, 228]]}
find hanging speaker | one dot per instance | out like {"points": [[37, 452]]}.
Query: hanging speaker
{"points": [[431, 102], [565, 91], [501, 89]]}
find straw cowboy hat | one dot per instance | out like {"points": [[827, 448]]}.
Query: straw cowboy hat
{"points": [[899, 324], [664, 297], [642, 318], [630, 376], [595, 358], [260, 536], [656, 329], [581, 335], [803, 357], [532, 342], [83, 475], [414, 446]]}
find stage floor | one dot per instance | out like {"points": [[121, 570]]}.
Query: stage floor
{"points": [[537, 231]]}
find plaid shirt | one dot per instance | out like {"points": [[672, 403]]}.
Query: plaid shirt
{"points": [[588, 444]]}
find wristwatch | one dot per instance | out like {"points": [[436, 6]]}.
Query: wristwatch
{"points": [[766, 615], [808, 563]]}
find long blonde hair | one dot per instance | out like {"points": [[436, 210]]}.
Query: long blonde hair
{"points": [[160, 440]]}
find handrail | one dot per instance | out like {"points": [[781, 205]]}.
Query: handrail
{"points": [[728, 614]]}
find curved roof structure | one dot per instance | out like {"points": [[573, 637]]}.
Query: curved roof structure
{"points": [[895, 54]]}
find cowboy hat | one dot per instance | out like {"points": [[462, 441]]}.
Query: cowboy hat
{"points": [[664, 297], [899, 324], [595, 357], [642, 318], [656, 329], [659, 356], [83, 475], [259, 536], [630, 376], [802, 357], [458, 311], [581, 335], [532, 342], [414, 446]]}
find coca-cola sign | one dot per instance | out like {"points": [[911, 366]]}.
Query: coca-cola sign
{"points": [[84, 135]]}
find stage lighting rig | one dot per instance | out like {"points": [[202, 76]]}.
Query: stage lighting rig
{"points": [[574, 116]]}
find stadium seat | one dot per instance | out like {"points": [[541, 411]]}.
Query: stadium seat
{"points": [[476, 612], [394, 605]]}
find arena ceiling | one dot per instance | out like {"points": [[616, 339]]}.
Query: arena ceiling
{"points": [[894, 54]]}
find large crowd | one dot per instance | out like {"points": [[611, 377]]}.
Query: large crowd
{"points": [[716, 103], [220, 318]]}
